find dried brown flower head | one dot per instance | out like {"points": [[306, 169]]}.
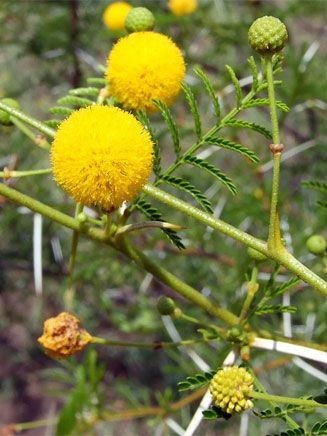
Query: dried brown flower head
{"points": [[63, 336]]}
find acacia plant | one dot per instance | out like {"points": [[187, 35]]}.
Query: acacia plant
{"points": [[106, 154]]}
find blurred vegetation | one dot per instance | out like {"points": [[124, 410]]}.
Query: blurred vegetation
{"points": [[48, 47]]}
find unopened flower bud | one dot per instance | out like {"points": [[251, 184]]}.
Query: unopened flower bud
{"points": [[139, 20], [230, 388], [267, 35], [316, 244], [166, 306]]}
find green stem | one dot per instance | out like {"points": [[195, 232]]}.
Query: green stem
{"points": [[252, 288], [108, 225], [285, 258], [206, 218], [205, 137], [260, 386], [286, 400], [70, 292], [155, 345], [175, 283], [281, 256], [37, 139], [7, 174], [98, 235], [33, 424], [272, 100], [28, 120], [193, 320], [274, 241]]}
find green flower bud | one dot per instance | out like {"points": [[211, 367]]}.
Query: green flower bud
{"points": [[82, 218], [256, 255], [139, 20], [235, 334], [316, 244], [230, 388], [267, 35], [166, 306], [4, 116]]}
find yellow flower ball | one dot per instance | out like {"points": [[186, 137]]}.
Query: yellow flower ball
{"points": [[144, 66], [182, 7], [115, 15], [102, 156]]}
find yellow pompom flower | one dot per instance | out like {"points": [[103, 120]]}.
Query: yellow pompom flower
{"points": [[144, 66], [182, 7], [63, 336], [102, 156], [115, 15], [231, 389]]}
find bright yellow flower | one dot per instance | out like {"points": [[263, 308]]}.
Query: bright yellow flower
{"points": [[182, 7], [63, 336], [144, 66], [231, 389], [102, 156], [115, 15]]}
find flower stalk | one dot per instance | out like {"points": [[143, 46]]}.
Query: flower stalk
{"points": [[252, 288], [8, 174], [286, 400], [274, 239]]}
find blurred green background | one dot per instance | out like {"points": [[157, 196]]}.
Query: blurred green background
{"points": [[48, 47]]}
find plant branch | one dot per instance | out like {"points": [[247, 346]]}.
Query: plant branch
{"points": [[39, 140], [8, 174], [286, 400], [156, 345], [274, 240], [141, 259], [28, 120], [281, 256], [175, 283]]}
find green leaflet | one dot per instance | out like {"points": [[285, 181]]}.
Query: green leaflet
{"points": [[249, 125], [190, 98], [61, 110], [166, 114], [279, 308], [210, 90], [237, 86], [230, 145], [196, 381], [203, 164], [284, 287], [82, 92], [265, 102], [75, 101], [186, 186], [97, 81], [143, 118], [316, 185], [254, 71], [154, 214]]}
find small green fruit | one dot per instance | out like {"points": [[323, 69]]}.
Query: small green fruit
{"points": [[139, 20], [4, 116], [316, 244], [166, 306], [256, 255], [267, 35]]}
